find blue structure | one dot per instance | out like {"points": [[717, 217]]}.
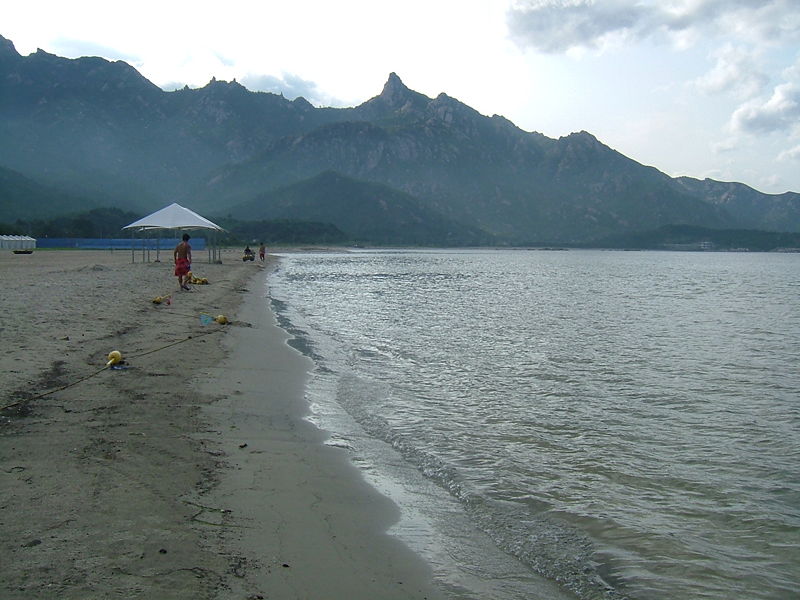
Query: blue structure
{"points": [[118, 243]]}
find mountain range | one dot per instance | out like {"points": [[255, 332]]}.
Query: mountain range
{"points": [[401, 168]]}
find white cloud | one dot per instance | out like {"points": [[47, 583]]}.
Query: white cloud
{"points": [[780, 113], [725, 146], [555, 26], [735, 71], [291, 86], [790, 155], [760, 22], [771, 181]]}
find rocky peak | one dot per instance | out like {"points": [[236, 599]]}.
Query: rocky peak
{"points": [[395, 99], [7, 49], [222, 84], [9, 57], [582, 142], [395, 93], [580, 137], [454, 113]]}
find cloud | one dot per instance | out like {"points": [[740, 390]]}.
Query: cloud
{"points": [[224, 60], [776, 116], [780, 113], [735, 71], [772, 181], [555, 26], [291, 86], [790, 154], [725, 146]]}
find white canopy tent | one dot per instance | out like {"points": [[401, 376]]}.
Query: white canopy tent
{"points": [[180, 218], [17, 242]]}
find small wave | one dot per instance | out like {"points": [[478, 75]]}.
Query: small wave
{"points": [[554, 549]]}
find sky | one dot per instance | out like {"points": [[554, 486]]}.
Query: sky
{"points": [[703, 88]]}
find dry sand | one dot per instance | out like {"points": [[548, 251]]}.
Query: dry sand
{"points": [[189, 472]]}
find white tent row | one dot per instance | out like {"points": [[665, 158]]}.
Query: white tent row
{"points": [[177, 217], [17, 242]]}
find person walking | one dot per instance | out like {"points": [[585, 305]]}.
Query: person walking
{"points": [[183, 261]]}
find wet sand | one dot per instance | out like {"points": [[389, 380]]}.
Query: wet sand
{"points": [[188, 472]]}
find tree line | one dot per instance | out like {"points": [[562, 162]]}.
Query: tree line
{"points": [[107, 223]]}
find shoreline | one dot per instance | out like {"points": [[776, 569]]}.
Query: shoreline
{"points": [[131, 482], [299, 507]]}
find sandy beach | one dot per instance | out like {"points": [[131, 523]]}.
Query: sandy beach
{"points": [[187, 470]]}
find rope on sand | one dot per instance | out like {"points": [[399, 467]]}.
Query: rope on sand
{"points": [[106, 367], [186, 339], [167, 298], [59, 389]]}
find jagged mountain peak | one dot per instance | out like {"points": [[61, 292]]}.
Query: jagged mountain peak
{"points": [[7, 48], [394, 98], [396, 95], [582, 140], [44, 54], [394, 86], [219, 88], [222, 84], [580, 136]]}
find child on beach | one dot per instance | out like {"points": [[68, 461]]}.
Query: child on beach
{"points": [[262, 250], [183, 261]]}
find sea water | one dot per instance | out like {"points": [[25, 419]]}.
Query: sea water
{"points": [[626, 424]]}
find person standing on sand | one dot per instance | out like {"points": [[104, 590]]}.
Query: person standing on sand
{"points": [[183, 261], [262, 250]]}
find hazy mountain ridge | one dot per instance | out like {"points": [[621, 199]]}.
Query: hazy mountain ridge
{"points": [[23, 198], [484, 171], [372, 213], [745, 202], [100, 130]]}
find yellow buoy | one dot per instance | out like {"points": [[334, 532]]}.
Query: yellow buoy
{"points": [[221, 319], [158, 300], [114, 357]]}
